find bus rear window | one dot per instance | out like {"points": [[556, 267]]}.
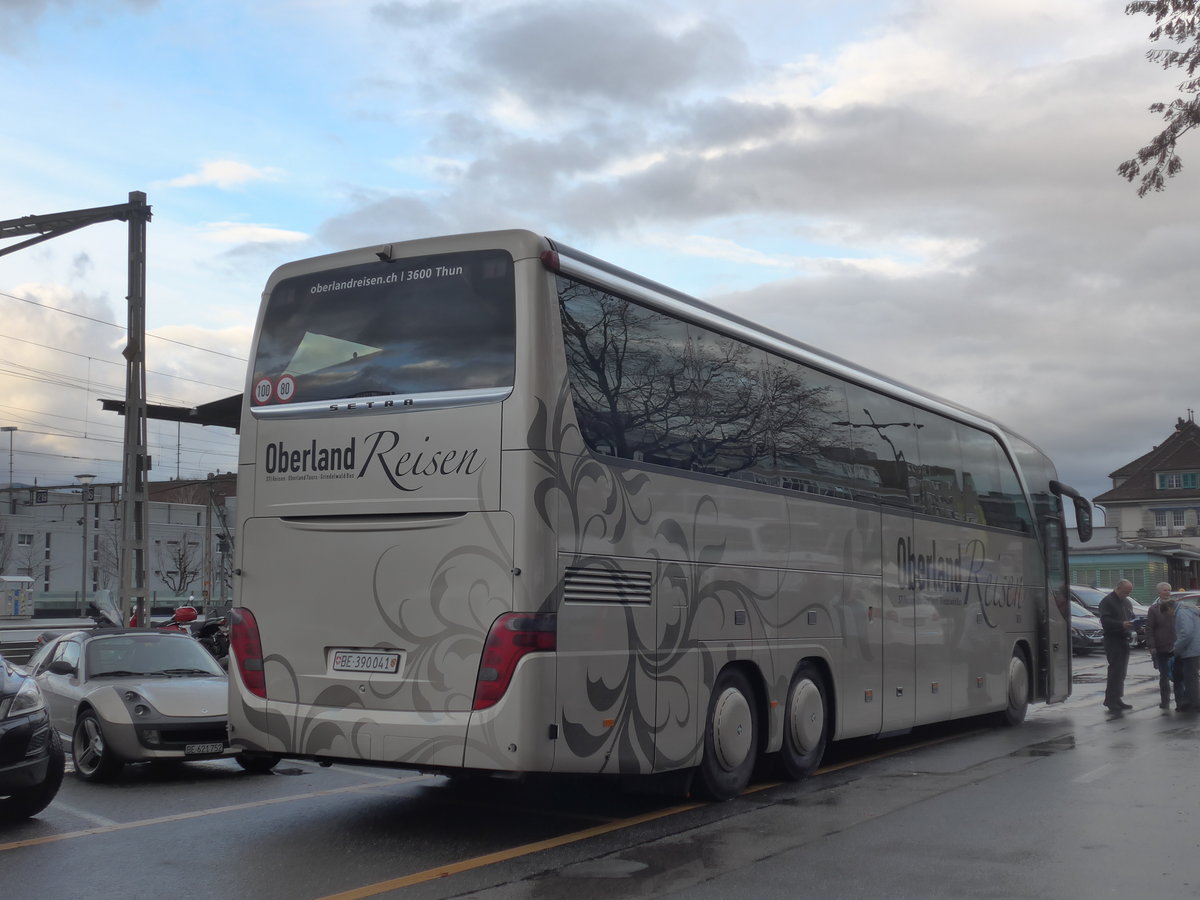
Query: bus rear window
{"points": [[413, 326]]}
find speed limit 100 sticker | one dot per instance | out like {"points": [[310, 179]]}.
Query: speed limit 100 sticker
{"points": [[285, 388], [263, 389]]}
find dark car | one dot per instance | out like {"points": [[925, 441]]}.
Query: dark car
{"points": [[1090, 597], [31, 754], [1086, 633]]}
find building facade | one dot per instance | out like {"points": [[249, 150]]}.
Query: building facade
{"points": [[67, 539], [1157, 496], [1151, 527]]}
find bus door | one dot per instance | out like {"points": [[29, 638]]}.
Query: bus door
{"points": [[899, 621], [1054, 620], [884, 435]]}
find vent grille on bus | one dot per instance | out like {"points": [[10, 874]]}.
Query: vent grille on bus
{"points": [[606, 586]]}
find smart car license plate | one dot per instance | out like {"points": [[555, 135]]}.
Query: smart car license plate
{"points": [[201, 749], [383, 661]]}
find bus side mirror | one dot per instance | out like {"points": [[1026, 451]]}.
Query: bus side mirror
{"points": [[1083, 519], [1083, 509]]}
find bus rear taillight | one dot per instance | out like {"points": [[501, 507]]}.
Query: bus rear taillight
{"points": [[246, 645], [511, 637]]}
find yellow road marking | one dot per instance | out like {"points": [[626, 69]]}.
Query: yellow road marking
{"points": [[489, 859], [479, 862]]}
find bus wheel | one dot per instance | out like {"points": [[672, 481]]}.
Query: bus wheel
{"points": [[805, 723], [730, 737], [1018, 691]]}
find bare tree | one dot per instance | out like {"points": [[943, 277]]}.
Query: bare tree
{"points": [[179, 561], [1177, 21], [30, 558], [108, 554]]}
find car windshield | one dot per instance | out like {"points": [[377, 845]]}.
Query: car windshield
{"points": [[1079, 611], [150, 654]]}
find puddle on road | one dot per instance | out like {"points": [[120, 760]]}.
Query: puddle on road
{"points": [[1047, 748], [604, 868]]}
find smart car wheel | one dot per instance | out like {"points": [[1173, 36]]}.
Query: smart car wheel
{"points": [[258, 763], [93, 760], [32, 800]]}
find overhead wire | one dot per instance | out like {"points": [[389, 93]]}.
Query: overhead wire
{"points": [[95, 431], [121, 365], [118, 327]]}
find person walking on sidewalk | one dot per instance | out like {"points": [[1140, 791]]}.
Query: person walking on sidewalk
{"points": [[1116, 618], [1187, 655], [1160, 641]]}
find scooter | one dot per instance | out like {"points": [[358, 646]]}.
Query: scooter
{"points": [[183, 615]]}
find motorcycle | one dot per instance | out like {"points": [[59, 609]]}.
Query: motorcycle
{"points": [[104, 614], [213, 635]]}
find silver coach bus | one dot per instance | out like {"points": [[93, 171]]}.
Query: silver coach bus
{"points": [[506, 507]]}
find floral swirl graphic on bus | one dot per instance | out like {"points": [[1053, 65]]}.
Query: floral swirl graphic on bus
{"points": [[646, 689]]}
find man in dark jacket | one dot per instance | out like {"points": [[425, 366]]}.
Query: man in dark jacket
{"points": [[1160, 641], [1116, 618]]}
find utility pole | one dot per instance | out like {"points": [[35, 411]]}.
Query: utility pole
{"points": [[207, 582], [135, 495]]}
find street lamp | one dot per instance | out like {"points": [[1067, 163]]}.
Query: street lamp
{"points": [[11, 493], [84, 480]]}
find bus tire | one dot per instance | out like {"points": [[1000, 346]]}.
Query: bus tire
{"points": [[805, 723], [730, 737], [1018, 690]]}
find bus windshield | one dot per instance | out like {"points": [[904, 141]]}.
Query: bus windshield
{"points": [[426, 324]]}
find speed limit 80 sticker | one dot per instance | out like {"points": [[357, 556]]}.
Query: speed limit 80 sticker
{"points": [[281, 390], [285, 388]]}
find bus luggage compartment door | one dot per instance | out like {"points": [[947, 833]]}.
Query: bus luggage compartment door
{"points": [[611, 674]]}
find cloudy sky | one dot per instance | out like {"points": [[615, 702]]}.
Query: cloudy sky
{"points": [[926, 187]]}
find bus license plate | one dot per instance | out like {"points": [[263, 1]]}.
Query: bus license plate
{"points": [[201, 749], [366, 661]]}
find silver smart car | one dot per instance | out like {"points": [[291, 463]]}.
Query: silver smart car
{"points": [[122, 695]]}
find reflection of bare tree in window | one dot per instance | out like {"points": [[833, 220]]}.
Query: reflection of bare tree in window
{"points": [[613, 377], [653, 388]]}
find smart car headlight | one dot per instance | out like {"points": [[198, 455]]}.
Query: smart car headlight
{"points": [[138, 705]]}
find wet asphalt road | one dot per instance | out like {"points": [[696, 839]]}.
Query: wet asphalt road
{"points": [[1072, 804]]}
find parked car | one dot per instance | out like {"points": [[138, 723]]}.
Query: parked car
{"points": [[1086, 633], [1090, 597], [125, 695], [31, 754], [1189, 597]]}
